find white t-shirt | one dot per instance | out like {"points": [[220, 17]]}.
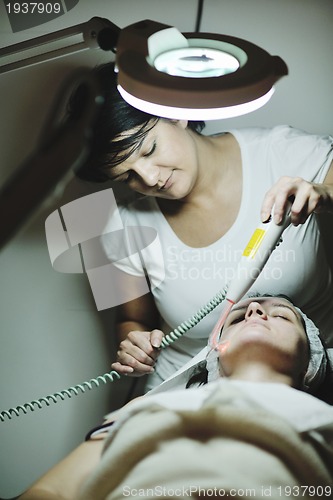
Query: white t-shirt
{"points": [[183, 279]]}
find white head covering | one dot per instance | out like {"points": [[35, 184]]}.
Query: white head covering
{"points": [[317, 358], [317, 366]]}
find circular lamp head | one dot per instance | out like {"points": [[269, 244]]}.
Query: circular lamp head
{"points": [[194, 76], [196, 62]]}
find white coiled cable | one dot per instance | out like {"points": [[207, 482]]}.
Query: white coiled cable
{"points": [[113, 375]]}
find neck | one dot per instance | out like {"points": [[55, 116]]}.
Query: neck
{"points": [[260, 372], [217, 167]]}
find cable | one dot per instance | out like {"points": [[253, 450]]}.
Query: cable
{"points": [[195, 319], [53, 398], [199, 15], [113, 375]]}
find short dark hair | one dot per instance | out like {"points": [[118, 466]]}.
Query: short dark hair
{"points": [[116, 116]]}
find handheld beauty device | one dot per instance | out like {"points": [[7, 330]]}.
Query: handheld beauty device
{"points": [[254, 257]]}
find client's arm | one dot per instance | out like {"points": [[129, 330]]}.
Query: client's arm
{"points": [[63, 481]]}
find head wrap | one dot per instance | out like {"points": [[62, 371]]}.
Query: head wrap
{"points": [[317, 366]]}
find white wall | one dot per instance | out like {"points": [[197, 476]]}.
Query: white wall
{"points": [[299, 31], [52, 337]]}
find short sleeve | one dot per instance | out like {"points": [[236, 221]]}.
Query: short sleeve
{"points": [[299, 153], [136, 249]]}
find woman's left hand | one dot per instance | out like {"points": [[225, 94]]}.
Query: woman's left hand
{"points": [[306, 198]]}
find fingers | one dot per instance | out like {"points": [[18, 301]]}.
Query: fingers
{"points": [[304, 196], [139, 371], [122, 369], [137, 354], [267, 206], [278, 196], [156, 338]]}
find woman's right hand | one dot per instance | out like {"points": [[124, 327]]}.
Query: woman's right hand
{"points": [[137, 353]]}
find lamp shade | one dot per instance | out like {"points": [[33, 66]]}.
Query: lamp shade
{"points": [[193, 75]]}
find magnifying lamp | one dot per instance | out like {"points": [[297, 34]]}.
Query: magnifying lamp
{"points": [[193, 76]]}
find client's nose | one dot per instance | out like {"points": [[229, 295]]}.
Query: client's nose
{"points": [[255, 309]]}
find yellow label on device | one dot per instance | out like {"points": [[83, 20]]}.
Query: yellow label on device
{"points": [[254, 243]]}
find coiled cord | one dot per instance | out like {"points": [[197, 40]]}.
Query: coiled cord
{"points": [[113, 375], [195, 319], [54, 398]]}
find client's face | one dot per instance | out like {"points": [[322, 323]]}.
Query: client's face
{"points": [[268, 330]]}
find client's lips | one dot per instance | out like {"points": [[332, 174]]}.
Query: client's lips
{"points": [[167, 183], [256, 322]]}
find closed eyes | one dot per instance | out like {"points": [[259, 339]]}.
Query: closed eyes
{"points": [[282, 317], [130, 174], [151, 151], [274, 314]]}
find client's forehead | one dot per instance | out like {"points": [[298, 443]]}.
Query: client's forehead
{"points": [[263, 299]]}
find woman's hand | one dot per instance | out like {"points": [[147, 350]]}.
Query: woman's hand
{"points": [[137, 353], [306, 198]]}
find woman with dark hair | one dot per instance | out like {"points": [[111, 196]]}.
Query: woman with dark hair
{"points": [[116, 119], [204, 195]]}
